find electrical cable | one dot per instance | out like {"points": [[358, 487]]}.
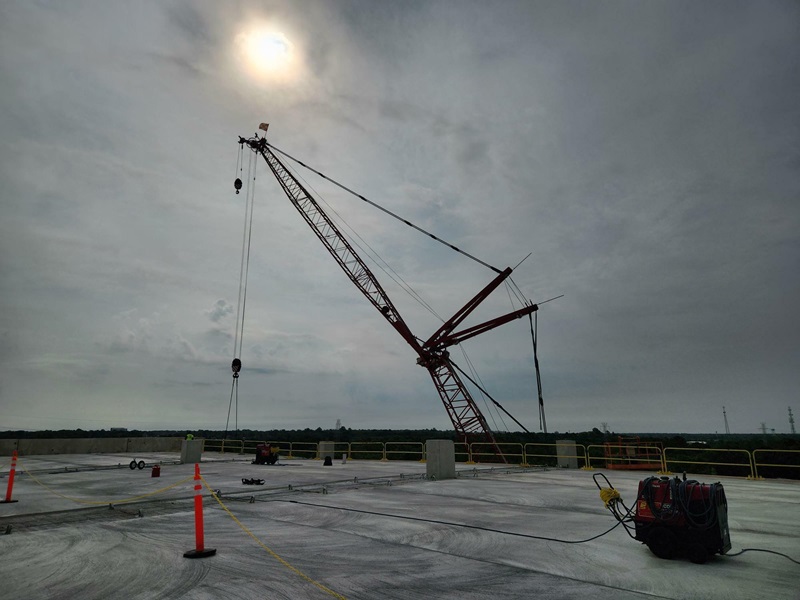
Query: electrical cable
{"points": [[451, 524], [743, 550]]}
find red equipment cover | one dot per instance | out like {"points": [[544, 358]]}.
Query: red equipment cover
{"points": [[658, 504]]}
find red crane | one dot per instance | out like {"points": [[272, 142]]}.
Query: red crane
{"points": [[467, 419]]}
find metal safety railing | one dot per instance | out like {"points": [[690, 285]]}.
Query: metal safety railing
{"points": [[538, 451], [791, 461], [628, 456], [367, 450], [416, 450], [689, 456], [714, 461], [484, 452], [463, 452]]}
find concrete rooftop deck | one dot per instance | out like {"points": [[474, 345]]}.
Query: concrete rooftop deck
{"points": [[355, 530]]}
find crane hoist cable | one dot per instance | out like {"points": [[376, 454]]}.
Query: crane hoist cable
{"points": [[244, 267]]}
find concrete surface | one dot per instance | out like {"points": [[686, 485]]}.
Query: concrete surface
{"points": [[365, 530]]}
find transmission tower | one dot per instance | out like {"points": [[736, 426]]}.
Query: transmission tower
{"points": [[791, 420], [725, 416]]}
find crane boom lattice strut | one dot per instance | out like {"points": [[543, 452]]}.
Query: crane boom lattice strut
{"points": [[467, 419]]}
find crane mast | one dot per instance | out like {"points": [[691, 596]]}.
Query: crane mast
{"points": [[467, 419]]}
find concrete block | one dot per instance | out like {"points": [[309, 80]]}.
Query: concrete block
{"points": [[567, 453], [441, 459], [154, 444], [7, 447], [191, 451], [327, 449]]}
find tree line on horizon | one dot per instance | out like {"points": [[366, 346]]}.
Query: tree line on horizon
{"points": [[348, 435]]}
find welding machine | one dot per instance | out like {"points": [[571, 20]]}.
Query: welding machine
{"points": [[673, 517], [678, 517], [266, 454]]}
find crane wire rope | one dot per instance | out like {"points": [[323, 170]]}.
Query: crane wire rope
{"points": [[534, 321], [387, 211], [491, 412], [370, 252], [244, 268], [496, 403], [511, 288]]}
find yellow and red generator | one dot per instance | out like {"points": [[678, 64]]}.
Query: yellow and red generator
{"points": [[677, 517], [266, 454]]}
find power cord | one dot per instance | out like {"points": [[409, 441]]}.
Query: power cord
{"points": [[451, 524]]}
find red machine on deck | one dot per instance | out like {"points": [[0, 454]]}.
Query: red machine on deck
{"points": [[675, 517], [266, 454]]}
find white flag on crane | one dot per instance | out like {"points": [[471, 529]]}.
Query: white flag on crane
{"points": [[264, 126]]}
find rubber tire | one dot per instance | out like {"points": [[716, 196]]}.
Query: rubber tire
{"points": [[663, 543], [697, 553], [132, 465], [140, 464]]}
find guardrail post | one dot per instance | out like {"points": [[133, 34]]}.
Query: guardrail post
{"points": [[753, 467], [586, 465], [11, 473], [664, 470]]}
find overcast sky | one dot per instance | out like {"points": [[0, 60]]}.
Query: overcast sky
{"points": [[645, 153]]}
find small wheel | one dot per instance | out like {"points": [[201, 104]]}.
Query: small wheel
{"points": [[697, 553], [140, 464], [132, 465], [663, 543]]}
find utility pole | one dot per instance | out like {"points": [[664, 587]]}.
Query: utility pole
{"points": [[725, 416], [763, 428], [791, 420]]}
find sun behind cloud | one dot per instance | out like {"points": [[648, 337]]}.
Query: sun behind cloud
{"points": [[267, 54]]}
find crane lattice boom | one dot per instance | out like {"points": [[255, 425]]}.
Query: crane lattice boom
{"points": [[467, 419]]}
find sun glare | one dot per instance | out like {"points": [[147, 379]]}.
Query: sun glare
{"points": [[266, 52], [269, 50]]}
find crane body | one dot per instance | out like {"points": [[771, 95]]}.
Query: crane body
{"points": [[432, 354]]}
